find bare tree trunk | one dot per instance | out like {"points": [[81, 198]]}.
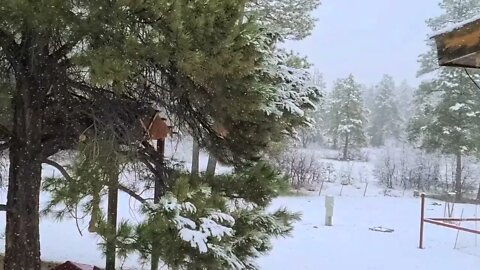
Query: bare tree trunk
{"points": [[345, 148], [22, 229], [211, 166], [158, 192], [195, 158], [111, 246], [458, 178]]}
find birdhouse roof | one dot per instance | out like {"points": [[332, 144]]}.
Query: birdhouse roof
{"points": [[76, 266], [458, 45]]}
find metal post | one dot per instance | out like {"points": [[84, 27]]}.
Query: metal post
{"points": [[422, 219]]}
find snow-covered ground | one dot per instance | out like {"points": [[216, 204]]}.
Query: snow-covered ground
{"points": [[349, 244]]}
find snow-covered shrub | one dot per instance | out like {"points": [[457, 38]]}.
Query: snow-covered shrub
{"points": [[410, 168], [407, 168], [303, 170], [356, 155]]}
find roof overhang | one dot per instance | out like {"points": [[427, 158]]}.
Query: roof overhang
{"points": [[459, 45]]}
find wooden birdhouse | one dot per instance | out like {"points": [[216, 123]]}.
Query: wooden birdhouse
{"points": [[221, 131], [459, 44], [75, 266], [156, 127]]}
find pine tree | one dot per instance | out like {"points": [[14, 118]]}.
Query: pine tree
{"points": [[99, 68], [79, 68], [315, 132], [447, 120], [405, 100], [292, 19], [447, 123], [384, 115], [347, 115]]}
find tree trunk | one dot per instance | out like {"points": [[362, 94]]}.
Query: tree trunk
{"points": [[22, 229], [478, 193], [211, 166], [458, 178], [111, 246], [158, 192], [195, 158], [345, 148]]}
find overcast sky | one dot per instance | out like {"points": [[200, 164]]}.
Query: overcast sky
{"points": [[368, 38]]}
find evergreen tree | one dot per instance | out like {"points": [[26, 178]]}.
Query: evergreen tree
{"points": [[347, 115], [405, 100], [315, 132], [369, 97], [447, 119], [292, 19], [449, 122], [81, 68], [384, 116]]}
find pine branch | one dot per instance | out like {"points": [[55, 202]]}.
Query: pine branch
{"points": [[132, 194], [59, 167], [65, 174], [63, 50]]}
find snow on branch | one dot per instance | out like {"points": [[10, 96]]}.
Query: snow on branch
{"points": [[292, 89], [195, 231]]}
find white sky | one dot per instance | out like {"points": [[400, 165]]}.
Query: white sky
{"points": [[368, 38]]}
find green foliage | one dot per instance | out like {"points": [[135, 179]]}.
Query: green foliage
{"points": [[295, 60], [205, 223], [96, 67], [346, 113], [447, 114], [293, 19], [258, 184], [96, 165], [315, 131]]}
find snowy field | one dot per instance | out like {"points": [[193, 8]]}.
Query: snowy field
{"points": [[349, 244]]}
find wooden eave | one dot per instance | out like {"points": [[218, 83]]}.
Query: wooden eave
{"points": [[460, 47]]}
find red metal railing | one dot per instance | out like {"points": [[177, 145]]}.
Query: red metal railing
{"points": [[441, 222]]}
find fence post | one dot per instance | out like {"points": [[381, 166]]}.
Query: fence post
{"points": [[329, 210], [422, 218], [321, 187]]}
